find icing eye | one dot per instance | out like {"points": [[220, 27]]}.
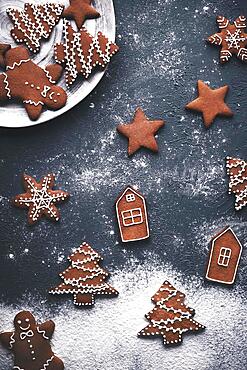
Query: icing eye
{"points": [[27, 320], [19, 322]]}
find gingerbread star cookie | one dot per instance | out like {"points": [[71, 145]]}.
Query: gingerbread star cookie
{"points": [[30, 84], [170, 318], [211, 103], [40, 199], [80, 10], [231, 38], [141, 132], [30, 344], [237, 171]]}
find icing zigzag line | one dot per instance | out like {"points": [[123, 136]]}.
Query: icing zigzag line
{"points": [[42, 332], [33, 102], [7, 85], [17, 64], [47, 363]]}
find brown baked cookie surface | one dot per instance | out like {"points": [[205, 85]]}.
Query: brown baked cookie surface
{"points": [[79, 11], [85, 279], [33, 86], [224, 257], [40, 198], [232, 39], [30, 344], [170, 318], [211, 103], [34, 23], [81, 52], [141, 132]]}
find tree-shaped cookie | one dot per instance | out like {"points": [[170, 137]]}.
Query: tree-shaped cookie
{"points": [[30, 344], [34, 23], [40, 198], [170, 318], [85, 279], [81, 52], [237, 171], [232, 39], [30, 84], [80, 10]]}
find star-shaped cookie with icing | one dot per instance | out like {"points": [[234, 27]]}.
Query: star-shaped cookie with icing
{"points": [[30, 84], [141, 132], [40, 199], [80, 10], [231, 38]]}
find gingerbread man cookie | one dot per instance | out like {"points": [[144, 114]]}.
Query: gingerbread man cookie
{"points": [[34, 86], [30, 344]]}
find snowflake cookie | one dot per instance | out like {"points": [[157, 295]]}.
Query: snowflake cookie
{"points": [[30, 344], [80, 10], [170, 318], [85, 279], [34, 86], [237, 171], [34, 23], [40, 199], [81, 52], [231, 38]]}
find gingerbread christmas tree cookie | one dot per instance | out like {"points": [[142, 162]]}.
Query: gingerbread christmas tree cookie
{"points": [[211, 103], [237, 171], [170, 318], [81, 52], [30, 344], [34, 23], [40, 198], [85, 279], [141, 132], [80, 10], [33, 86], [232, 38]]}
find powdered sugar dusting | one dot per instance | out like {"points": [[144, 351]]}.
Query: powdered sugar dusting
{"points": [[80, 336]]}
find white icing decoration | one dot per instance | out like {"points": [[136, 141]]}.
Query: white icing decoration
{"points": [[33, 102], [17, 64], [6, 82], [40, 25], [71, 47], [42, 332], [236, 180]]}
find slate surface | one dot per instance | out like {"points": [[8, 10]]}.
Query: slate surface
{"points": [[163, 54]]}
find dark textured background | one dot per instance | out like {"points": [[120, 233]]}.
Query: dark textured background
{"points": [[163, 54]]}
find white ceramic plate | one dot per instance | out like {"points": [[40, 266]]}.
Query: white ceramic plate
{"points": [[14, 115]]}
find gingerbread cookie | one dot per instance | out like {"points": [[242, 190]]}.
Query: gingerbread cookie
{"points": [[85, 279], [211, 103], [3, 49], [30, 344], [81, 52], [170, 318], [237, 170], [40, 199], [80, 10], [30, 84], [141, 132], [224, 257], [132, 215], [34, 23], [231, 38]]}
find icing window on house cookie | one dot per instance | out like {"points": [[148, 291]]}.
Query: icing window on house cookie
{"points": [[132, 217], [224, 257], [130, 198]]}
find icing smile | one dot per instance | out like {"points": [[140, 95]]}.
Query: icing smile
{"points": [[25, 328]]}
